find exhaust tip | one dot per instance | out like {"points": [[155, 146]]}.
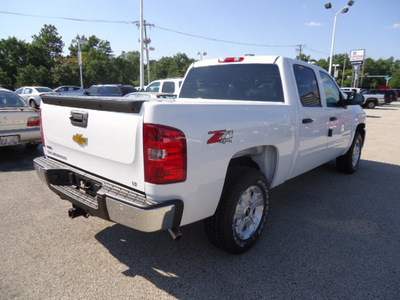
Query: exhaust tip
{"points": [[175, 233]]}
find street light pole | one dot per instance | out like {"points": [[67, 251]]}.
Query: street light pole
{"points": [[201, 54], [342, 11], [79, 42], [333, 45], [334, 71]]}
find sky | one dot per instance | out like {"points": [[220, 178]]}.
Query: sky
{"points": [[220, 28]]}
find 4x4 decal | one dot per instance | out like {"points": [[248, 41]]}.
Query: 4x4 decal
{"points": [[220, 136]]}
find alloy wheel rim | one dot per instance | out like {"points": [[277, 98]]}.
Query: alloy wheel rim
{"points": [[356, 153], [248, 213]]}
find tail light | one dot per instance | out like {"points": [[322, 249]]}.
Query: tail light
{"points": [[230, 59], [33, 121], [165, 158], [41, 128]]}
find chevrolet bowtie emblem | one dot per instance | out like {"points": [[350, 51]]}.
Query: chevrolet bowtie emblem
{"points": [[80, 140]]}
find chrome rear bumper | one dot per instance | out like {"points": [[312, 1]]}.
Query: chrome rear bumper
{"points": [[106, 199]]}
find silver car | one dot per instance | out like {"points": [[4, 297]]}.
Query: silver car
{"points": [[19, 123], [69, 90]]}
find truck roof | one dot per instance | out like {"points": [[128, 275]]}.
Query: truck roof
{"points": [[243, 59], [248, 60]]}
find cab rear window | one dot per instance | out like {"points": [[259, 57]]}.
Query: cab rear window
{"points": [[251, 82]]}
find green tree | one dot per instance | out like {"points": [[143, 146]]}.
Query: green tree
{"points": [[4, 79], [168, 67], [93, 42], [303, 57], [126, 68], [50, 43], [32, 75], [13, 56], [66, 73], [395, 74]]}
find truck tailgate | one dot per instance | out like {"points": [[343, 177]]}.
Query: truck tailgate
{"points": [[98, 135]]}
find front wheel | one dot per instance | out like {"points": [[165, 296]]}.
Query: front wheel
{"points": [[348, 163], [241, 215], [371, 104]]}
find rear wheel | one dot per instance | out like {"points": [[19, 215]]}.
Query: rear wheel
{"points": [[348, 163], [241, 215], [33, 104]]}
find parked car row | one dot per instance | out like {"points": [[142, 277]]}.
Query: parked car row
{"points": [[375, 97]]}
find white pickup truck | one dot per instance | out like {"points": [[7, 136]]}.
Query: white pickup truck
{"points": [[239, 127]]}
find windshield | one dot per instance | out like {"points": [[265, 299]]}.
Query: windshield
{"points": [[8, 99], [252, 82]]}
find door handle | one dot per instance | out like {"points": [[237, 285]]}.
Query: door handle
{"points": [[333, 119], [307, 121]]}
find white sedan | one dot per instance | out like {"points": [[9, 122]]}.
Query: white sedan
{"points": [[33, 94], [19, 123]]}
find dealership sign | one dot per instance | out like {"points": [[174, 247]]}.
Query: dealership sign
{"points": [[357, 57]]}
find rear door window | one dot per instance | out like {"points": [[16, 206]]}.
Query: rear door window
{"points": [[307, 86], [168, 87], [114, 91]]}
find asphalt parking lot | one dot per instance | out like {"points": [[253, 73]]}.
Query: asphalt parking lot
{"points": [[328, 236]]}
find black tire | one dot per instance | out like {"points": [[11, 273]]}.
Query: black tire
{"points": [[348, 163], [32, 146], [371, 104], [242, 212], [33, 104]]}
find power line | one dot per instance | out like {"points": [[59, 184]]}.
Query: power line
{"points": [[312, 50], [162, 28], [159, 27], [61, 18], [223, 41]]}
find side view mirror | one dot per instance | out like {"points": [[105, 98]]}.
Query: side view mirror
{"points": [[85, 93], [353, 99]]}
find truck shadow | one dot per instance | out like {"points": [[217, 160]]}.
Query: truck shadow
{"points": [[328, 235], [18, 158]]}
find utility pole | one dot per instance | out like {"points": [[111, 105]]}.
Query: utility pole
{"points": [[147, 42], [300, 50], [80, 42], [344, 70], [141, 47], [143, 40]]}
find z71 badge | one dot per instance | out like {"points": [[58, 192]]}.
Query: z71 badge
{"points": [[220, 136]]}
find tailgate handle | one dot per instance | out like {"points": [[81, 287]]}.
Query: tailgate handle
{"points": [[79, 119]]}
